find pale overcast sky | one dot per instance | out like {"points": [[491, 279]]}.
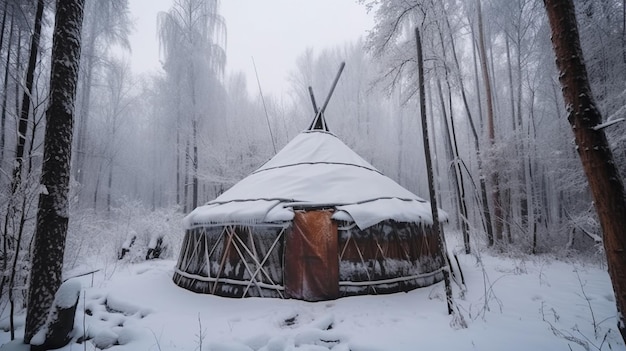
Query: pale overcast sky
{"points": [[275, 32]]}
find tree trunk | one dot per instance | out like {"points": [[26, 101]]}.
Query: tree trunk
{"points": [[512, 191], [179, 147], [23, 121], [96, 189], [186, 180], [5, 93], [510, 74], [18, 69], [495, 193], [483, 178], [456, 176], [530, 195], [194, 131], [16, 181], [83, 122], [109, 186], [592, 145], [459, 182], [194, 149], [524, 204], [178, 185], [60, 321], [624, 31], [485, 214], [26, 204], [447, 145], [9, 212], [479, 99], [194, 194], [52, 218], [433, 137], [400, 114], [4, 19]]}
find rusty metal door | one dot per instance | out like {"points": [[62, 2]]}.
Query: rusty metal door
{"points": [[311, 257]]}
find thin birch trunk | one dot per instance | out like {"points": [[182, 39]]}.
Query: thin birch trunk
{"points": [[494, 177], [483, 177], [458, 181], [84, 109], [485, 214], [186, 180], [26, 100], [512, 191], [109, 186]]}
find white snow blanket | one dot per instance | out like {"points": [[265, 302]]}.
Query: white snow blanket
{"points": [[314, 169], [533, 302]]}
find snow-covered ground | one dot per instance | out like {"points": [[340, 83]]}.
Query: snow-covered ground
{"points": [[525, 303]]}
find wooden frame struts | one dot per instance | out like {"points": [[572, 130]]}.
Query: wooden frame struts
{"points": [[232, 261], [388, 257], [246, 261]]}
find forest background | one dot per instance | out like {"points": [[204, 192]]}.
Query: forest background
{"points": [[148, 149]]}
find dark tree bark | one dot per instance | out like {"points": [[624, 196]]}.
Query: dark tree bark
{"points": [[52, 218], [60, 321], [594, 151]]}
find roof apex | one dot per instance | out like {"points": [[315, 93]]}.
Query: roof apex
{"points": [[319, 122]]}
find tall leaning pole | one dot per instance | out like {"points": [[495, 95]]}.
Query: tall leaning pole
{"points": [[429, 169]]}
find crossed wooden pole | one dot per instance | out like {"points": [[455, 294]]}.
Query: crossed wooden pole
{"points": [[318, 121]]}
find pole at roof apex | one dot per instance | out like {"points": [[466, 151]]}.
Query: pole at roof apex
{"points": [[319, 123], [315, 109]]}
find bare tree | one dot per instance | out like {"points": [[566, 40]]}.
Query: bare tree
{"points": [[190, 37], [106, 23], [14, 213], [495, 191]]}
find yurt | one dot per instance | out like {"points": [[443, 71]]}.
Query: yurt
{"points": [[315, 222]]}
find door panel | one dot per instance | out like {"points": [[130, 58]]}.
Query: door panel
{"points": [[311, 257]]}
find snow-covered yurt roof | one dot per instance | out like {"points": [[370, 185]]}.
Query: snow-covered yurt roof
{"points": [[315, 169]]}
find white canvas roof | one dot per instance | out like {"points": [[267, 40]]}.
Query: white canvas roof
{"points": [[314, 169]]}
